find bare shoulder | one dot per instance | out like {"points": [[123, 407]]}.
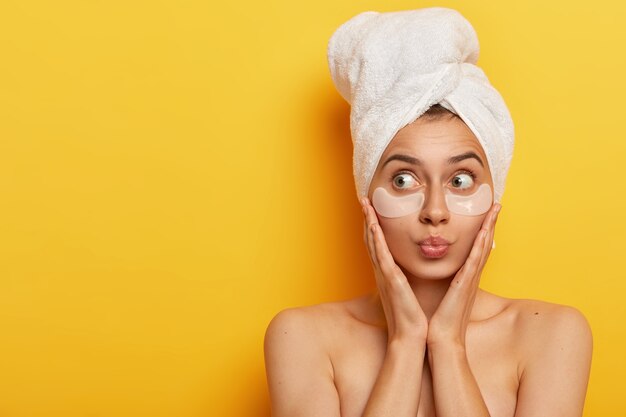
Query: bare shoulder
{"points": [[554, 346], [315, 324], [545, 331], [539, 321], [300, 373]]}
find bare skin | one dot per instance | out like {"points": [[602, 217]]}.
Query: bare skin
{"points": [[429, 342]]}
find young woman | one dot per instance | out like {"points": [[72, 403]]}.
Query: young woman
{"points": [[429, 342]]}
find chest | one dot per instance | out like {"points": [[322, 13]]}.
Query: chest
{"points": [[490, 355]]}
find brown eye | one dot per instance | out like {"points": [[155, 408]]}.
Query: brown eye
{"points": [[403, 181], [462, 181]]}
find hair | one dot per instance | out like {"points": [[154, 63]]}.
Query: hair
{"points": [[438, 112]]}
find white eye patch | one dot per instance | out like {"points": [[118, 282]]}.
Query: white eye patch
{"points": [[391, 206]]}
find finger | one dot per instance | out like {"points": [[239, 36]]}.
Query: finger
{"points": [[366, 231], [381, 274], [364, 225], [371, 221], [373, 250], [487, 227], [383, 256], [491, 231], [376, 246], [488, 231], [397, 297], [370, 234], [486, 247], [465, 283], [470, 267], [486, 236], [460, 294], [371, 214], [391, 272]]}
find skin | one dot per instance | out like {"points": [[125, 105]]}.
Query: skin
{"points": [[429, 342]]}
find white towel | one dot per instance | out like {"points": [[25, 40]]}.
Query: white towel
{"points": [[391, 67]]}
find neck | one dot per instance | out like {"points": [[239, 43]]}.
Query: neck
{"points": [[429, 293]]}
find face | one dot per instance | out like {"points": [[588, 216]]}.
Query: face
{"points": [[429, 145]]}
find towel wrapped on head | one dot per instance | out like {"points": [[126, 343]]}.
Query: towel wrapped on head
{"points": [[392, 67]]}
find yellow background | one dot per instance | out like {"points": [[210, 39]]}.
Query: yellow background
{"points": [[174, 173]]}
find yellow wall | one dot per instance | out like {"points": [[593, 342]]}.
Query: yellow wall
{"points": [[173, 173]]}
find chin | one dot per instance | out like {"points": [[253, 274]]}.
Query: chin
{"points": [[430, 270]]}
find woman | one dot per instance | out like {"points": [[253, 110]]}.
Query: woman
{"points": [[430, 342]]}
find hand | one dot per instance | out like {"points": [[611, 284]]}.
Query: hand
{"points": [[449, 323], [405, 318]]}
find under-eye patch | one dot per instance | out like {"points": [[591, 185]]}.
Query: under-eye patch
{"points": [[388, 205]]}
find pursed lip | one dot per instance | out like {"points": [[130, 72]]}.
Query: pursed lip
{"points": [[433, 241]]}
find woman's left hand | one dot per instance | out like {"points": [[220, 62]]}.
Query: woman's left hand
{"points": [[449, 323]]}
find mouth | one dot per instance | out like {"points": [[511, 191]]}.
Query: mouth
{"points": [[433, 247], [433, 241], [434, 251]]}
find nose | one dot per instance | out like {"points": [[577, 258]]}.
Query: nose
{"points": [[435, 209]]}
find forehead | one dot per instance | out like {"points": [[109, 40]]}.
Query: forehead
{"points": [[433, 140]]}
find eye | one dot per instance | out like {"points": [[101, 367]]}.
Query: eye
{"points": [[463, 180], [401, 180]]}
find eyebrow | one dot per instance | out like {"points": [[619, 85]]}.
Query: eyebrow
{"points": [[452, 160]]}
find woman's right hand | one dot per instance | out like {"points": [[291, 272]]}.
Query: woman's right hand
{"points": [[406, 320]]}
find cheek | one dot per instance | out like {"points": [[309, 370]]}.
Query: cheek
{"points": [[398, 236], [468, 228]]}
